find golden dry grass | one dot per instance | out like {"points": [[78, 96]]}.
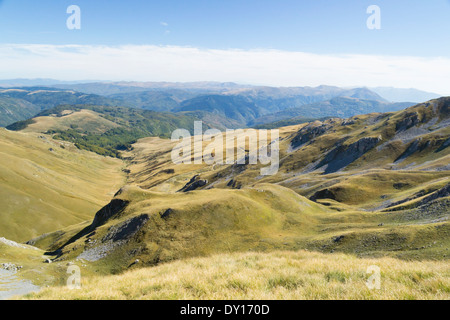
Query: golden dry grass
{"points": [[276, 275], [45, 187]]}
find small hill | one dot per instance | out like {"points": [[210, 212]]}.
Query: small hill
{"points": [[200, 223], [83, 120], [102, 129]]}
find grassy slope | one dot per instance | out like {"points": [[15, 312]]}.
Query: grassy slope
{"points": [[372, 176], [203, 223], [45, 190], [273, 213], [34, 270], [221, 218], [275, 275]]}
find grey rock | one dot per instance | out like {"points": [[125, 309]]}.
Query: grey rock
{"points": [[11, 267], [308, 133], [194, 184]]}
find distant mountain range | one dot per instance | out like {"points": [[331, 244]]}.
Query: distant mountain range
{"points": [[399, 95], [110, 87], [36, 82], [221, 105], [341, 107]]}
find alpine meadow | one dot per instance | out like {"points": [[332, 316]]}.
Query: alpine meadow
{"points": [[227, 151]]}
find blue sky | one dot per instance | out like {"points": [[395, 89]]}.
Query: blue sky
{"points": [[409, 28], [413, 27]]}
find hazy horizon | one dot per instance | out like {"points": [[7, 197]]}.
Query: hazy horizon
{"points": [[288, 43], [50, 81]]}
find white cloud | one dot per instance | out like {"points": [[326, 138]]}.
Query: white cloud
{"points": [[259, 66], [164, 24]]}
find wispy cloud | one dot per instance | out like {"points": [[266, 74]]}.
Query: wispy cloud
{"points": [[264, 67], [164, 24]]}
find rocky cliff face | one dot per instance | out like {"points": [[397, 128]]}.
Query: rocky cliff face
{"points": [[342, 155], [111, 209], [308, 133], [407, 122]]}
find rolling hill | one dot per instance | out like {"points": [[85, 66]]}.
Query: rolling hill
{"points": [[102, 129], [46, 185]]}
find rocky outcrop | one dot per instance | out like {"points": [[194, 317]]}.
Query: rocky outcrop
{"points": [[194, 184], [15, 244], [342, 156], [308, 133], [126, 229], [117, 236], [444, 145], [441, 193], [410, 120], [10, 267], [432, 195], [113, 208], [323, 194], [166, 214], [419, 194], [416, 146], [234, 184]]}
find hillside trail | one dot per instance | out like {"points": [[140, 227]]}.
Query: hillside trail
{"points": [[10, 283]]}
